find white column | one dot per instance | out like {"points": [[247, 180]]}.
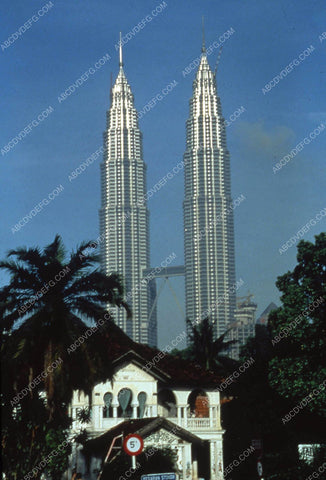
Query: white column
{"points": [[213, 466], [154, 410], [134, 406], [195, 469], [179, 415], [211, 413], [220, 466], [115, 405], [184, 467], [97, 416], [218, 417], [184, 423], [215, 419], [188, 461]]}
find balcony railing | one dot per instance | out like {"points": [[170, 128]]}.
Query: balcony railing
{"points": [[99, 422], [195, 423]]}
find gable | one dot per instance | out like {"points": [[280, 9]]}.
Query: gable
{"points": [[127, 375], [147, 366], [131, 372], [162, 438]]}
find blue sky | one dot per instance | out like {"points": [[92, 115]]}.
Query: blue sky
{"points": [[64, 43]]}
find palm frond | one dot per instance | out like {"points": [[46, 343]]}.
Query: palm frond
{"points": [[107, 288], [55, 250], [56, 318], [31, 256], [81, 259]]}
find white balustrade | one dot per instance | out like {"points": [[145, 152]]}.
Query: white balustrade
{"points": [[99, 422], [195, 423]]}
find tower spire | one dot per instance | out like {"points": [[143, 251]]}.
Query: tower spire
{"points": [[203, 48], [123, 189], [120, 52], [208, 195]]}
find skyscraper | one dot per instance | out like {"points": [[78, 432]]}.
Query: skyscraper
{"points": [[124, 217], [207, 207], [244, 325]]}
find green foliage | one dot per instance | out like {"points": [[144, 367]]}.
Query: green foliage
{"points": [[55, 440], [185, 354], [204, 350], [42, 313], [28, 439], [285, 371], [299, 364]]}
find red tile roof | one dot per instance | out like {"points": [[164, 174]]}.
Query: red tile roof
{"points": [[175, 370]]}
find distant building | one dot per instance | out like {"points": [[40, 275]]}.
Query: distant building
{"points": [[263, 319], [124, 217], [244, 325], [208, 207], [169, 402]]}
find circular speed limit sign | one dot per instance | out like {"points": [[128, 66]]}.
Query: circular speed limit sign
{"points": [[133, 444]]}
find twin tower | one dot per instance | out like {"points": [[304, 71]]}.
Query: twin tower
{"points": [[207, 209]]}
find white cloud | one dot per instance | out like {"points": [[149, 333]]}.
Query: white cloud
{"points": [[270, 143]]}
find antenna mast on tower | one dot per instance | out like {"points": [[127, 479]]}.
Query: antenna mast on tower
{"points": [[218, 60]]}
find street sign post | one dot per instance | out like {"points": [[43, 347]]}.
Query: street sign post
{"points": [[133, 445], [260, 469], [160, 476]]}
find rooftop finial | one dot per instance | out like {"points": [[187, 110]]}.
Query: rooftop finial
{"points": [[203, 48], [120, 52]]}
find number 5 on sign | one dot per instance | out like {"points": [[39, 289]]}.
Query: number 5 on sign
{"points": [[133, 444]]}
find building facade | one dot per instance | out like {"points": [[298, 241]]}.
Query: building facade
{"points": [[172, 404], [208, 208], [244, 325], [124, 217]]}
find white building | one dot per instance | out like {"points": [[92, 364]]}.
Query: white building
{"points": [[168, 401]]}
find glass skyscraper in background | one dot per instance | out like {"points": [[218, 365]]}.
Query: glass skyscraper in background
{"points": [[208, 208], [124, 217]]}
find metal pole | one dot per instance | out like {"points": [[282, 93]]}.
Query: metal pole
{"points": [[108, 454]]}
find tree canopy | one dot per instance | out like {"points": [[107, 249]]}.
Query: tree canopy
{"points": [[54, 322], [298, 329], [210, 354]]}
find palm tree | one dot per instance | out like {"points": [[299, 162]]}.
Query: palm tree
{"points": [[50, 302], [206, 351]]}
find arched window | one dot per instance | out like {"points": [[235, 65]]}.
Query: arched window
{"points": [[167, 403], [142, 396], [107, 409], [199, 404], [124, 399]]}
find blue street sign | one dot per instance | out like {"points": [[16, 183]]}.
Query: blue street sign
{"points": [[159, 476]]}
